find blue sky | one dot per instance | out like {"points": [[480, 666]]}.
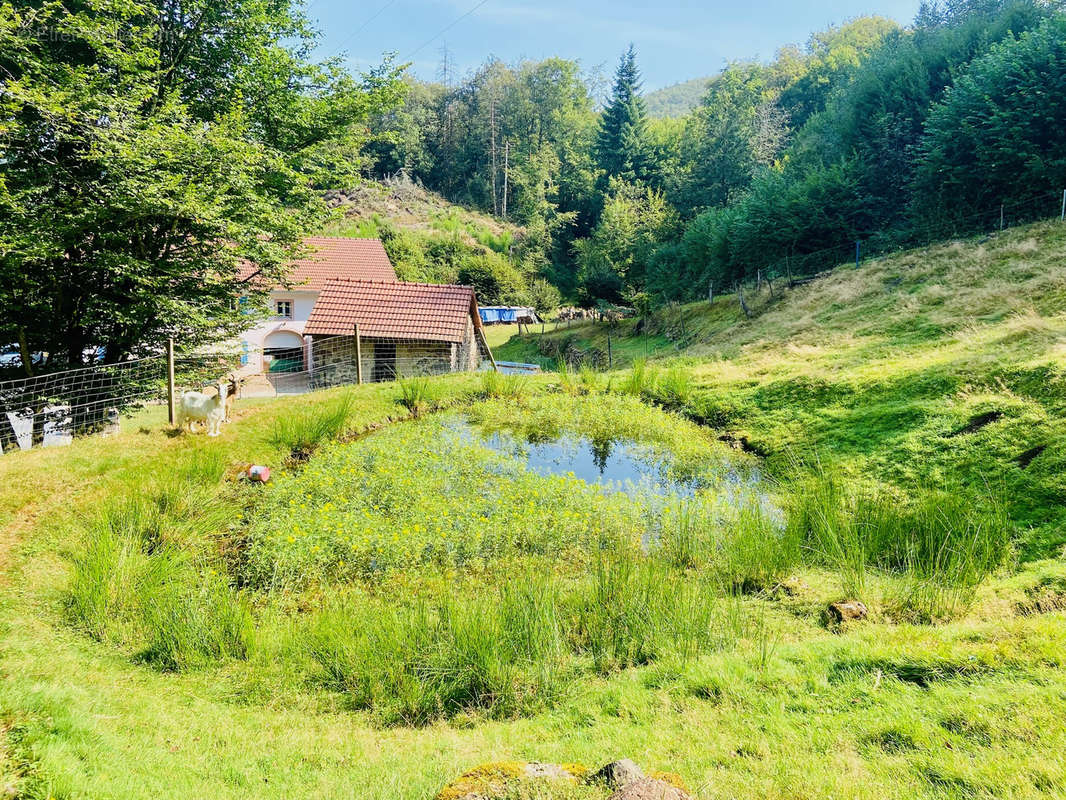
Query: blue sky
{"points": [[675, 40]]}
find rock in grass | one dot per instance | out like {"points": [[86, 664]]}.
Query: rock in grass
{"points": [[501, 779], [847, 611], [618, 773], [650, 789]]}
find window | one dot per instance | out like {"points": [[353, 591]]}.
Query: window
{"points": [[283, 309]]}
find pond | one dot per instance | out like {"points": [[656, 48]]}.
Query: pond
{"points": [[614, 465]]}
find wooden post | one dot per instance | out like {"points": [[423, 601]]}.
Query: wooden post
{"points": [[610, 354], [710, 293], [858, 253], [358, 356], [1001, 216], [485, 341], [171, 408], [1063, 217]]}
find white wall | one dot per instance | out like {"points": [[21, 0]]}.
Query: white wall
{"points": [[253, 341]]}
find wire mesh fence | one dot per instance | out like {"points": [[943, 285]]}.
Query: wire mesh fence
{"points": [[801, 265], [54, 407], [325, 362]]}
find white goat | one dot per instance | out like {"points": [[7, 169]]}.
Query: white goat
{"points": [[207, 408]]}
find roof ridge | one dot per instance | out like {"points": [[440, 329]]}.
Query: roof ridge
{"points": [[402, 283], [343, 238]]}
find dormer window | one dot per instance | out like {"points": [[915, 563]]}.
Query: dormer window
{"points": [[283, 309]]}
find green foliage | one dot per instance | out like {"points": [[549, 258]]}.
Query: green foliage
{"points": [[112, 231], [676, 101], [995, 135], [306, 429], [494, 278], [614, 259], [621, 144]]}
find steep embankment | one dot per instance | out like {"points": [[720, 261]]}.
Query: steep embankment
{"points": [[943, 366]]}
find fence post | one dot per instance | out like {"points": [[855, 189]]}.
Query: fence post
{"points": [[171, 411], [1063, 217], [610, 354], [358, 356], [1001, 216], [858, 253]]}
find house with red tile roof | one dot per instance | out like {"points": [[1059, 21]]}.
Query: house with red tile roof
{"points": [[278, 342], [403, 328]]}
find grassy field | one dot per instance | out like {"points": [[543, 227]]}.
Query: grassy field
{"points": [[401, 604]]}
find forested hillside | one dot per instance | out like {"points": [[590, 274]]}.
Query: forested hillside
{"points": [[677, 100], [867, 138], [869, 132]]}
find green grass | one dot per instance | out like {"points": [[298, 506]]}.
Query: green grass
{"points": [[163, 637]]}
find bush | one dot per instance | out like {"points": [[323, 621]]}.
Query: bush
{"points": [[494, 278]]}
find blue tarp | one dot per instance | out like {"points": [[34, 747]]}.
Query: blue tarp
{"points": [[494, 314]]}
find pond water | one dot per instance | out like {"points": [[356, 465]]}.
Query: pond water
{"points": [[615, 465]]}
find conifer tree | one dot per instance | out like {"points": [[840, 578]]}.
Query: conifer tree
{"points": [[621, 146]]}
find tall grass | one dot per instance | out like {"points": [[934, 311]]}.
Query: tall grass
{"points": [[636, 611], [641, 379], [675, 388], [419, 394], [142, 581], [497, 385], [743, 550], [516, 648], [941, 545], [303, 430]]}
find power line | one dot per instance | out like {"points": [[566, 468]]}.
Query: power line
{"points": [[362, 27], [443, 31]]}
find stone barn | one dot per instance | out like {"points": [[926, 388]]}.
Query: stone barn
{"points": [[405, 329]]}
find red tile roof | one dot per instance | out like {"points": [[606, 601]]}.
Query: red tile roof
{"points": [[333, 257], [428, 312]]}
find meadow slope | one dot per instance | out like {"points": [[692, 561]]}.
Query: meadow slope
{"points": [[145, 652]]}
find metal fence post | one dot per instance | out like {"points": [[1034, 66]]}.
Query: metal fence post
{"points": [[171, 410], [1063, 217], [358, 356], [858, 253]]}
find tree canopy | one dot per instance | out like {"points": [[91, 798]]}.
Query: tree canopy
{"points": [[150, 149]]}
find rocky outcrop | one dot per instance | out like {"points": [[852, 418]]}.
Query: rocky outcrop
{"points": [[650, 789], [621, 780]]}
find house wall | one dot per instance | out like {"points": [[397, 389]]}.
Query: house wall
{"points": [[271, 332], [333, 362]]}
